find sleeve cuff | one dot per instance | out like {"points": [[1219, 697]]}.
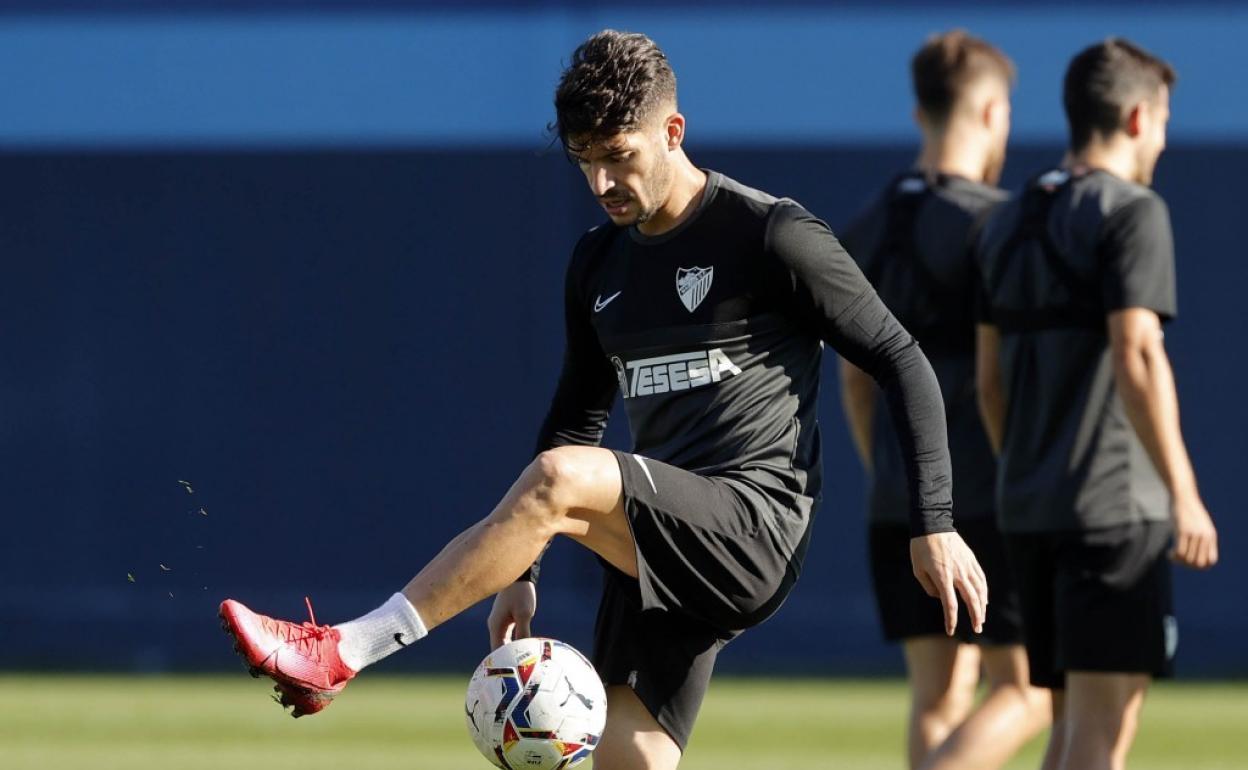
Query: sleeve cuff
{"points": [[530, 574], [931, 523]]}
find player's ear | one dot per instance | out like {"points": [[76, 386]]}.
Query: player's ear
{"points": [[991, 113], [917, 116], [1136, 118], [675, 130]]}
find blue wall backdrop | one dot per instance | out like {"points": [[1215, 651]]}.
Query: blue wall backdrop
{"points": [[309, 263]]}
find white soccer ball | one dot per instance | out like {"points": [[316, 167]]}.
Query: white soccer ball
{"points": [[535, 704]]}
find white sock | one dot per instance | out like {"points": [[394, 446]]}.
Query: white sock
{"points": [[384, 631]]}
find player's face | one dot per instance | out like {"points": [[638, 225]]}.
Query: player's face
{"points": [[630, 174], [1154, 116]]}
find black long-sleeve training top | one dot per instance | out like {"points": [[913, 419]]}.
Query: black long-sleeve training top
{"points": [[713, 333]]}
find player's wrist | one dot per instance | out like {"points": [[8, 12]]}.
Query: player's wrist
{"points": [[1183, 490]]}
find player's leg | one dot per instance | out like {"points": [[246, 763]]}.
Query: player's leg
{"points": [[1102, 714], [633, 739], [706, 572], [576, 491], [1116, 633], [1011, 713], [573, 491], [943, 674], [1013, 710], [1033, 567], [1056, 747]]}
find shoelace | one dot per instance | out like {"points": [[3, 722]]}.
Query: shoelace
{"points": [[305, 636]]}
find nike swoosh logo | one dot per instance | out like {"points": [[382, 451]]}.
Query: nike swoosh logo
{"points": [[601, 303], [399, 638]]}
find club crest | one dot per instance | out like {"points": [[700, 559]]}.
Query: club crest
{"points": [[693, 284]]}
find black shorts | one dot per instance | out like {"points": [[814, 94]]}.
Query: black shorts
{"points": [[1096, 600], [906, 611], [713, 559]]}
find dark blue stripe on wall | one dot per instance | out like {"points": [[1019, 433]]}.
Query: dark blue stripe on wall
{"points": [[347, 355]]}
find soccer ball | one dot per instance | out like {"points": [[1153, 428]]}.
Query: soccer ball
{"points": [[535, 704]]}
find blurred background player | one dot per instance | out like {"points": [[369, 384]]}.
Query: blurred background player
{"points": [[913, 244], [705, 304], [1079, 397]]}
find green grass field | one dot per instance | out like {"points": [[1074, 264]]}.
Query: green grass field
{"points": [[387, 723]]}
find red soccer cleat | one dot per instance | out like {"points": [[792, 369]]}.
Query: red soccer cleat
{"points": [[301, 657]]}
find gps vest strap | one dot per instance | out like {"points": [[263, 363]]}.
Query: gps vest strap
{"points": [[899, 246], [1083, 309]]}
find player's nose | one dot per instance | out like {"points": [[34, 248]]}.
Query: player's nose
{"points": [[600, 182]]}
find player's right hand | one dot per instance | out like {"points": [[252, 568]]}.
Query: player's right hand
{"points": [[945, 566], [512, 615], [1195, 539]]}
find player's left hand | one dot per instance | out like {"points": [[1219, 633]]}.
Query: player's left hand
{"points": [[512, 615], [945, 566], [1195, 537]]}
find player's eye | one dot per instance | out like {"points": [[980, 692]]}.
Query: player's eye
{"points": [[621, 157]]}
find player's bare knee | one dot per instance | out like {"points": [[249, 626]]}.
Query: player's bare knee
{"points": [[537, 497], [552, 483], [1039, 701], [1036, 700], [946, 711], [943, 700], [940, 708], [558, 476]]}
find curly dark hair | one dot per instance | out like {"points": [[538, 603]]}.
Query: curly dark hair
{"points": [[947, 64], [615, 82], [1104, 81]]}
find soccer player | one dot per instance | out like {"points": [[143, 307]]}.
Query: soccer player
{"points": [[914, 245], [705, 304], [1078, 396]]}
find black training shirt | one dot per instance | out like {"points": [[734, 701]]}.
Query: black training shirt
{"points": [[914, 245], [713, 331], [1071, 459]]}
